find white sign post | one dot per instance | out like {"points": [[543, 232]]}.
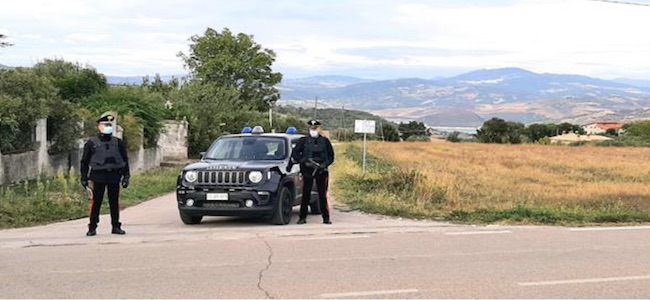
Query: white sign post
{"points": [[365, 127]]}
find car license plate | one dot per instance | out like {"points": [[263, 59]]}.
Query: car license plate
{"points": [[217, 196]]}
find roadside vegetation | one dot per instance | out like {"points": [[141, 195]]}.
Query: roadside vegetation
{"points": [[62, 198], [488, 183]]}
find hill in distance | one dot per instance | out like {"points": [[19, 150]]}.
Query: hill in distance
{"points": [[512, 93]]}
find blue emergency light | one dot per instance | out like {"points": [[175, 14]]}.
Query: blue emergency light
{"points": [[247, 130], [292, 130]]}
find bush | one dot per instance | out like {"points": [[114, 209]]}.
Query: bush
{"points": [[24, 98], [454, 137], [63, 126], [419, 138], [147, 108], [132, 132]]}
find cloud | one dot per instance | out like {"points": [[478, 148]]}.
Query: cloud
{"points": [[381, 38]]}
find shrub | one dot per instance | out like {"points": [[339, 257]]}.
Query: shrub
{"points": [[418, 138], [23, 100], [454, 137], [63, 126], [132, 132], [147, 108]]}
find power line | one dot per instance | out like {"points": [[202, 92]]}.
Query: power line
{"points": [[622, 2]]}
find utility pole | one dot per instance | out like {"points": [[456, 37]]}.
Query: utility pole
{"points": [[315, 106], [343, 121]]}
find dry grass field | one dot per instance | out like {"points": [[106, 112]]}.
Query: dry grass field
{"points": [[516, 183]]}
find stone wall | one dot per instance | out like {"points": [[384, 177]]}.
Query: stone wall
{"points": [[31, 164], [173, 140]]}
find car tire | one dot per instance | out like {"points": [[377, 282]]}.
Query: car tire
{"points": [[283, 208], [189, 219], [314, 205]]}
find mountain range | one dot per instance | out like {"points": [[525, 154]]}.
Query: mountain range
{"points": [[470, 98]]}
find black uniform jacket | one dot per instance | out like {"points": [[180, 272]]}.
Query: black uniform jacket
{"points": [[113, 176]]}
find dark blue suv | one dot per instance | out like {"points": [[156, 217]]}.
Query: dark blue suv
{"points": [[243, 175]]}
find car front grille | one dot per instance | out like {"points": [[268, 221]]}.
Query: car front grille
{"points": [[218, 204], [222, 177]]}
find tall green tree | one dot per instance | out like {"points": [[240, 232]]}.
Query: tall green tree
{"points": [[234, 61]]}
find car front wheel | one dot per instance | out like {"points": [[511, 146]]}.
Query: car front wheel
{"points": [[283, 208], [189, 219]]}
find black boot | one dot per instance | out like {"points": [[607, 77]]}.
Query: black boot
{"points": [[302, 221], [118, 230], [326, 220], [92, 230]]}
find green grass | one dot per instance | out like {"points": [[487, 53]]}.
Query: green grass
{"points": [[389, 190], [48, 200]]}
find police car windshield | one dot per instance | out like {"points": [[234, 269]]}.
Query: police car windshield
{"points": [[247, 148]]}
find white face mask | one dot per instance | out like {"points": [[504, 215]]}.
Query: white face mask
{"points": [[107, 130], [313, 133]]}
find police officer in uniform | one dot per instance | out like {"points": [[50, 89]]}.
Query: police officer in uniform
{"points": [[104, 165], [315, 154]]}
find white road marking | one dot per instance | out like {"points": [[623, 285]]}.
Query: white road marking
{"points": [[587, 280], [609, 228], [478, 232], [336, 237], [367, 293]]}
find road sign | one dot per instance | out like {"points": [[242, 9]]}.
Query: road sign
{"points": [[364, 126]]}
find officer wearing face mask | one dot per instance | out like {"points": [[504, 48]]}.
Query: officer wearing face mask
{"points": [[315, 154], [104, 165]]}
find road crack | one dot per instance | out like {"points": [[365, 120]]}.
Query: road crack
{"points": [[268, 266]]}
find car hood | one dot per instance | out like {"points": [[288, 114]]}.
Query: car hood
{"points": [[229, 165]]}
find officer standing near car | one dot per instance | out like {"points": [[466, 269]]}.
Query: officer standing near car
{"points": [[315, 154], [104, 166]]}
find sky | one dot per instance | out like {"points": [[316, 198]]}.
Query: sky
{"points": [[376, 39]]}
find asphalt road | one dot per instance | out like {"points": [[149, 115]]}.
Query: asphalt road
{"points": [[359, 256]]}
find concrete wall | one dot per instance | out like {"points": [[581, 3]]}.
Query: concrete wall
{"points": [[31, 164], [173, 140]]}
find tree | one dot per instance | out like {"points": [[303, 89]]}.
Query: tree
{"points": [[412, 128], [535, 132], [568, 127], [640, 129], [74, 81], [234, 61], [209, 110], [499, 131], [25, 98], [3, 43], [389, 133]]}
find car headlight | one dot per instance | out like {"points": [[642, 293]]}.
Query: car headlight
{"points": [[255, 176], [191, 176]]}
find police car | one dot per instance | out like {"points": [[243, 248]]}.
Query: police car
{"points": [[244, 175]]}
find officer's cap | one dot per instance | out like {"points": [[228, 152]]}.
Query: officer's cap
{"points": [[313, 123], [106, 118]]}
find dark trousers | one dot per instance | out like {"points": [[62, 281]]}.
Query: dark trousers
{"points": [[322, 182], [96, 204]]}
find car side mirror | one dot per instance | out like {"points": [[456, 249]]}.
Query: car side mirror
{"points": [[202, 154]]}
